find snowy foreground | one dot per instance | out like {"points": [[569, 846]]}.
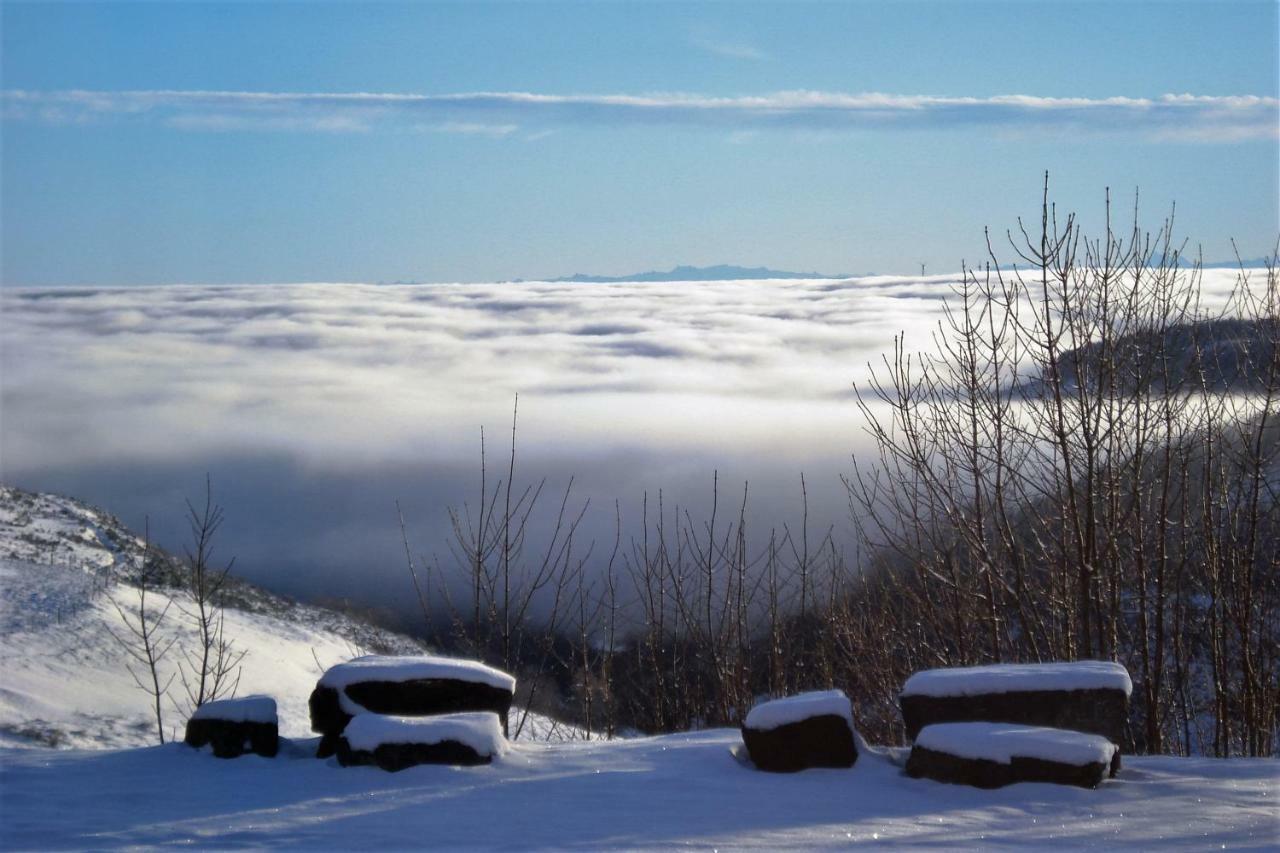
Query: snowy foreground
{"points": [[672, 791]]}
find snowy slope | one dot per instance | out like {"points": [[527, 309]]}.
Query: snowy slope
{"points": [[65, 680], [665, 792]]}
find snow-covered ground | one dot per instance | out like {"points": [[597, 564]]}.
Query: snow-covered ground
{"points": [[63, 683], [675, 791]]}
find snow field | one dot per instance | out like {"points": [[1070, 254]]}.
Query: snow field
{"points": [[687, 790]]}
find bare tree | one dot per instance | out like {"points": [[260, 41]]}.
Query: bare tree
{"points": [[211, 670], [145, 643]]}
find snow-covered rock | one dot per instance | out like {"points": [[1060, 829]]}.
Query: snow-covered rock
{"points": [[773, 713], [394, 743], [401, 668], [1001, 742], [802, 731], [246, 709], [1086, 696], [992, 755], [233, 727], [412, 686], [1019, 678]]}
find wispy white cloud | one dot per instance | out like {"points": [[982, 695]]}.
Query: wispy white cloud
{"points": [[1172, 116], [730, 49]]}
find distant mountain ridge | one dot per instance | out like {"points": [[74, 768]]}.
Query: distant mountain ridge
{"points": [[719, 272]]}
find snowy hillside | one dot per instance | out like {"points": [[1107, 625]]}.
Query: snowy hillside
{"points": [[65, 676]]}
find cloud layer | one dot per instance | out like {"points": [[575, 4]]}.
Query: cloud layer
{"points": [[1170, 116], [316, 407]]}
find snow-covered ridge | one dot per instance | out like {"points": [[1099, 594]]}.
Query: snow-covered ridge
{"points": [[793, 709], [65, 679], [479, 730], [413, 668], [1002, 742], [1019, 678]]}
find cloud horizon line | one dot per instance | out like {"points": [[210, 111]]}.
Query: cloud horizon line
{"points": [[1177, 117]]}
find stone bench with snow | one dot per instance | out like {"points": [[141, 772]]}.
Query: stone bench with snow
{"points": [[1084, 696], [395, 743], [992, 755], [802, 731], [406, 686], [234, 727]]}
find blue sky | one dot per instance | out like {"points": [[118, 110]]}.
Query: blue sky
{"points": [[663, 134]]}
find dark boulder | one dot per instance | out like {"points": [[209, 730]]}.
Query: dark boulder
{"points": [[398, 756], [802, 731], [992, 755], [1099, 712], [405, 687], [234, 727], [824, 741], [1087, 696], [984, 773], [394, 743]]}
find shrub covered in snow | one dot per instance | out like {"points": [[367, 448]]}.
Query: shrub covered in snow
{"points": [[406, 686], [992, 755], [236, 726], [394, 743], [807, 730]]}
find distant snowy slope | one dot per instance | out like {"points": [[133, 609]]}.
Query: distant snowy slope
{"points": [[64, 678]]}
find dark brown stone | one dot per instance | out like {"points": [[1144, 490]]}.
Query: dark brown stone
{"points": [[231, 739], [821, 741], [1099, 712], [393, 757], [417, 698], [982, 773]]}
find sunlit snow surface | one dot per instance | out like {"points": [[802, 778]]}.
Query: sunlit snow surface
{"points": [[674, 791]]}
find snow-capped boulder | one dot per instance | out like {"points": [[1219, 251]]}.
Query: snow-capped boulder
{"points": [[236, 726], [394, 743], [405, 686], [806, 730], [1084, 696], [992, 755]]}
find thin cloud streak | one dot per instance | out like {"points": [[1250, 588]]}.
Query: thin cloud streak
{"points": [[1178, 117]]}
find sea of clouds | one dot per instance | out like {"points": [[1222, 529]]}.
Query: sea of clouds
{"points": [[314, 408]]}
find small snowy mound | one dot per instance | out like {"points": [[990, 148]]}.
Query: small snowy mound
{"points": [[1019, 678], [802, 731], [992, 755], [246, 709], [394, 743], [773, 713], [233, 727]]}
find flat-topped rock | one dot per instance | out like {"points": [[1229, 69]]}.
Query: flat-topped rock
{"points": [[405, 686], [802, 731], [1085, 696], [1019, 678], [992, 755], [234, 727], [395, 743]]}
